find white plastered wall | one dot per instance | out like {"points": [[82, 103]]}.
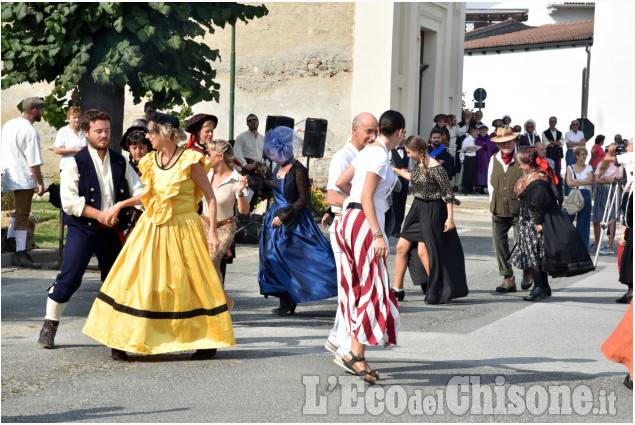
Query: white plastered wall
{"points": [[611, 86], [535, 84]]}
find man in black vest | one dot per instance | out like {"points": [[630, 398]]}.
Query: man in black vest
{"points": [[400, 160], [502, 174], [552, 137], [97, 190]]}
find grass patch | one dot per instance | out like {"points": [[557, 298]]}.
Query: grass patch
{"points": [[47, 224]]}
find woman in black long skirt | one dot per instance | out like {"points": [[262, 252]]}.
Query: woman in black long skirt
{"points": [[430, 224], [548, 244]]}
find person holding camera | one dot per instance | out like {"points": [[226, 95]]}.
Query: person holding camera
{"points": [[605, 176]]}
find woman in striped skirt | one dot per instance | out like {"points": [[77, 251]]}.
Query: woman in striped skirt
{"points": [[368, 305]]}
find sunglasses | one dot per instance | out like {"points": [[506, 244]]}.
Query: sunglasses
{"points": [[252, 120], [151, 132]]}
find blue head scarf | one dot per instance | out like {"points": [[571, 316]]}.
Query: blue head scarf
{"points": [[279, 144]]}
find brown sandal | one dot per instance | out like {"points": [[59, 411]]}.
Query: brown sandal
{"points": [[370, 376]]}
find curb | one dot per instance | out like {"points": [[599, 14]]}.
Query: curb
{"points": [[40, 255]]}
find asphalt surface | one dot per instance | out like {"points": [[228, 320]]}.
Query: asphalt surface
{"points": [[517, 355]]}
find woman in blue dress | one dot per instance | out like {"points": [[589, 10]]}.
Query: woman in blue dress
{"points": [[296, 260]]}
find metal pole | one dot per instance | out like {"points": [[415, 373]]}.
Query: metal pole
{"points": [[232, 83]]}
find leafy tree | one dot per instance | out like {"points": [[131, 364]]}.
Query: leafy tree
{"points": [[155, 49]]}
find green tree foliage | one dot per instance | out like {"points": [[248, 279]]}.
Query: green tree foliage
{"points": [[156, 49]]}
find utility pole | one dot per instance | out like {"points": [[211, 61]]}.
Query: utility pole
{"points": [[232, 83]]}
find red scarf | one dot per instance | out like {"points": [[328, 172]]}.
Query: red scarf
{"points": [[507, 159]]}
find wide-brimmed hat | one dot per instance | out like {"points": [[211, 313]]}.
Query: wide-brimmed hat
{"points": [[438, 117], [503, 134], [195, 123], [140, 126]]}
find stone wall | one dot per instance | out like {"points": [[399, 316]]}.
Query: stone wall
{"points": [[296, 61]]}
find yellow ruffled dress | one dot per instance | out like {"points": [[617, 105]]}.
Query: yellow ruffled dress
{"points": [[163, 294]]}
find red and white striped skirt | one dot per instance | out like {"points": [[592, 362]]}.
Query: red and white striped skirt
{"points": [[368, 305]]}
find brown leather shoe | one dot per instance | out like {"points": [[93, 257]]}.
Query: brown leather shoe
{"points": [[509, 285], [23, 259], [527, 281], [47, 334]]}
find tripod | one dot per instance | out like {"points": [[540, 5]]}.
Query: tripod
{"points": [[612, 201]]}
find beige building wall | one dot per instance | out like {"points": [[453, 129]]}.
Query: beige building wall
{"points": [[326, 60], [390, 78]]}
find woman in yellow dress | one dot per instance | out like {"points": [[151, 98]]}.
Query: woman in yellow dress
{"points": [[163, 294]]}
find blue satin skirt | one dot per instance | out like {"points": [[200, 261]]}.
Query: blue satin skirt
{"points": [[299, 262]]}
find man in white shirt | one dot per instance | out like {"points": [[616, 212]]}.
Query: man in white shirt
{"points": [[248, 150], [21, 161], [249, 145], [97, 190], [364, 132]]}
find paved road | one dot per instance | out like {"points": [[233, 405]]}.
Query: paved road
{"points": [[515, 354]]}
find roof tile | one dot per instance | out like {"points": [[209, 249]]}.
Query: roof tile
{"points": [[552, 33]]}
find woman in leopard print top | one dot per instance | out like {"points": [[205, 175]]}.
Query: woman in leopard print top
{"points": [[430, 223]]}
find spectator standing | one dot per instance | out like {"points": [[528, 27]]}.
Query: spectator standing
{"points": [[440, 153], [148, 110], [531, 136], [461, 133], [597, 153], [249, 145], [21, 161], [400, 160], [579, 176], [574, 138], [478, 119], [553, 138], [483, 155], [70, 139], [453, 128], [468, 163], [440, 123], [496, 124], [605, 175], [507, 120]]}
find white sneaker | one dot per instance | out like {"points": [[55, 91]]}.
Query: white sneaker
{"points": [[606, 251]]}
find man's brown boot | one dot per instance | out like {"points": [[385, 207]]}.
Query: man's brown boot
{"points": [[509, 285], [47, 334], [23, 259]]}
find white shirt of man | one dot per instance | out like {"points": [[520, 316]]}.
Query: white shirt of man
{"points": [[67, 139], [573, 137], [376, 160], [20, 150], [467, 142], [339, 163], [73, 204], [248, 146], [554, 134]]}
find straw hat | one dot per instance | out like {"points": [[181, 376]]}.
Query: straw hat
{"points": [[503, 134]]}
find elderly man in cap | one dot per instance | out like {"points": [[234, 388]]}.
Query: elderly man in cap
{"points": [[21, 161], [502, 174], [97, 189]]}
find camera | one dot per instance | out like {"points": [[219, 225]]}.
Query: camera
{"points": [[621, 147]]}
